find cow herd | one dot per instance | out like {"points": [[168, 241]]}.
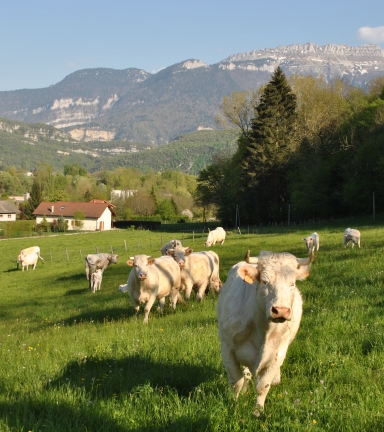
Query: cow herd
{"points": [[259, 307]]}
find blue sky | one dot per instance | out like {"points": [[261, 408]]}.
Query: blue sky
{"points": [[44, 41]]}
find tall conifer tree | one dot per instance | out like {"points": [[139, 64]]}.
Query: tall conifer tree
{"points": [[267, 149]]}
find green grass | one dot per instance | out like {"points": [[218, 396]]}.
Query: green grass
{"points": [[75, 361]]}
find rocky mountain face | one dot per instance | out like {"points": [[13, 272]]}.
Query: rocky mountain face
{"points": [[106, 104]]}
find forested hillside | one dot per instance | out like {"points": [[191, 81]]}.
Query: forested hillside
{"points": [[24, 146]]}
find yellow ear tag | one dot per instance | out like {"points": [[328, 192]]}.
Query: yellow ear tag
{"points": [[248, 279]]}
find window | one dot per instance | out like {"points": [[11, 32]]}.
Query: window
{"points": [[9, 216], [1, 216], [72, 222]]}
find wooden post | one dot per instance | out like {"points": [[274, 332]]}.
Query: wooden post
{"points": [[193, 236], [125, 245], [150, 241], [162, 243], [66, 251], [182, 237], [97, 249], [81, 255], [111, 249]]}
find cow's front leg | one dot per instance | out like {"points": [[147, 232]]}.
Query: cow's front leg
{"points": [[148, 307], [162, 304]]}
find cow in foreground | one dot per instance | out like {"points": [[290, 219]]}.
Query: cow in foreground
{"points": [[312, 242], [151, 279], [215, 236], [351, 235], [170, 245], [27, 260], [96, 279], [259, 312], [26, 251], [198, 270], [100, 261]]}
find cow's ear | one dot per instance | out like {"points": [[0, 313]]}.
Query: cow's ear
{"points": [[130, 262], [188, 251], [302, 272], [248, 273], [170, 252], [151, 260]]}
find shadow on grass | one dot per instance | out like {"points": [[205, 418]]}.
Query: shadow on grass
{"points": [[139, 375], [134, 379], [52, 417]]}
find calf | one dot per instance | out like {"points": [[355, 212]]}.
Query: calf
{"points": [[151, 279], [312, 242], [198, 270], [351, 235], [27, 260], [96, 278], [259, 312]]}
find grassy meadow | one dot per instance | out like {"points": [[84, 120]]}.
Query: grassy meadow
{"points": [[71, 360]]}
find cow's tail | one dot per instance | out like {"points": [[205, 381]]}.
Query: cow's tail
{"points": [[42, 259]]}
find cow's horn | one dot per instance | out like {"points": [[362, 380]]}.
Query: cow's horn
{"points": [[249, 259], [306, 261]]}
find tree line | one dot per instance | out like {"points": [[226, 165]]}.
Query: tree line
{"points": [[305, 147]]}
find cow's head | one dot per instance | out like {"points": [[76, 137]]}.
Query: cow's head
{"points": [[179, 253], [140, 265], [112, 258], [275, 280], [308, 242]]}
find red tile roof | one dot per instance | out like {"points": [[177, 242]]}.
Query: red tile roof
{"points": [[68, 209]]}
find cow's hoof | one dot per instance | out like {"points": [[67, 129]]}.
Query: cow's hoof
{"points": [[258, 411]]}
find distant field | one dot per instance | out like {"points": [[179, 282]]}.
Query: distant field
{"points": [[76, 361]]}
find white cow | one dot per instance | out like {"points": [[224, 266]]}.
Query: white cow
{"points": [[151, 279], [198, 270], [27, 260], [100, 261], [216, 235], [170, 245], [96, 279], [312, 242], [26, 251], [259, 312], [352, 235]]}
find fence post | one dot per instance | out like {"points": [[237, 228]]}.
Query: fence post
{"points": [[162, 243], [150, 242], [111, 249], [193, 236], [81, 255], [97, 249], [125, 245], [66, 251], [182, 238]]}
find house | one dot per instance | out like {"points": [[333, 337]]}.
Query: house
{"points": [[8, 211], [98, 213]]}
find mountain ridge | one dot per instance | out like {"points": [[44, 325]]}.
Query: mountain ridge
{"points": [[134, 105]]}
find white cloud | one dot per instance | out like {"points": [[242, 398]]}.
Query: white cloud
{"points": [[371, 34]]}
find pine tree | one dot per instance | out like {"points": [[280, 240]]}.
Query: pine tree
{"points": [[34, 200], [267, 149]]}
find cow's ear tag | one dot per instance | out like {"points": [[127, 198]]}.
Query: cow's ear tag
{"points": [[248, 279]]}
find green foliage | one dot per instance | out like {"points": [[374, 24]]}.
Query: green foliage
{"points": [[44, 225], [166, 209], [79, 217], [62, 224]]}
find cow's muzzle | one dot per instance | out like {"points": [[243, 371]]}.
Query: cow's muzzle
{"points": [[280, 313]]}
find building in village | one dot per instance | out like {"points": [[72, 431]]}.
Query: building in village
{"points": [[8, 211], [98, 214]]}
